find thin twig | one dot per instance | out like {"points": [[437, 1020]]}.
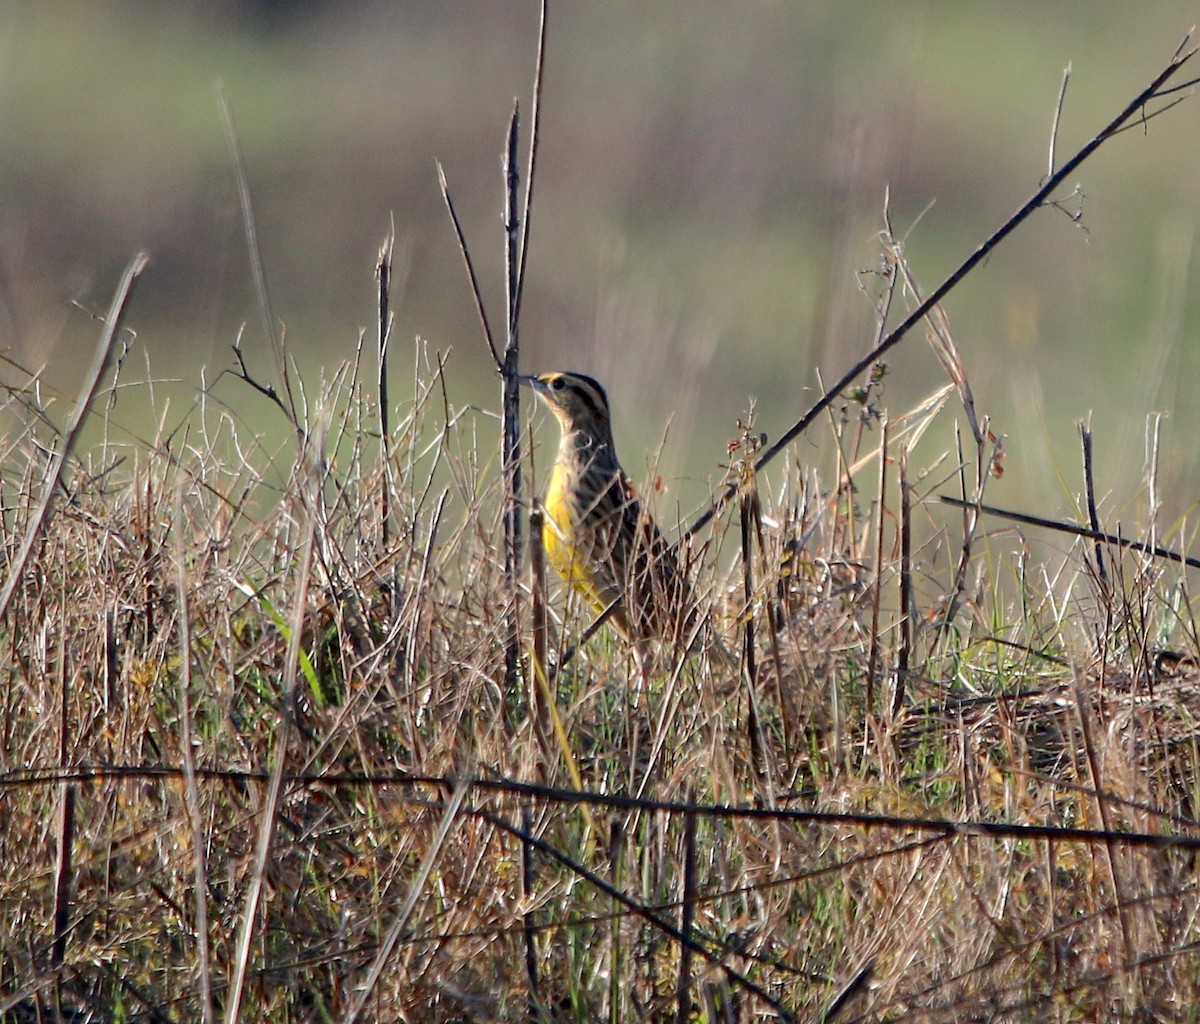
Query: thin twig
{"points": [[645, 913], [534, 131], [852, 988], [1058, 109], [287, 727], [1076, 530], [510, 442], [529, 918], [687, 916], [592, 629], [877, 594], [188, 757], [255, 252], [450, 817], [1114, 875], [266, 390], [748, 508], [383, 274], [540, 693], [64, 872], [87, 394], [512, 224], [907, 604], [465, 251], [1089, 483]]}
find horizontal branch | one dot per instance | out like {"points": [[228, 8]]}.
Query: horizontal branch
{"points": [[557, 795], [1075, 530]]}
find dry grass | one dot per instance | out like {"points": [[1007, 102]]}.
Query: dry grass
{"points": [[549, 898]]}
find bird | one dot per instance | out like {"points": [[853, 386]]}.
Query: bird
{"points": [[596, 534]]}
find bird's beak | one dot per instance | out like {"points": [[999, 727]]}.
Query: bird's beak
{"points": [[531, 381]]}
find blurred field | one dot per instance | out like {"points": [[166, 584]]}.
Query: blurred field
{"points": [[711, 182]]}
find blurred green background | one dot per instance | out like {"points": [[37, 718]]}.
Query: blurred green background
{"points": [[710, 186]]}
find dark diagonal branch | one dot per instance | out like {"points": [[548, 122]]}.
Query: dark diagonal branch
{"points": [[1133, 113]]}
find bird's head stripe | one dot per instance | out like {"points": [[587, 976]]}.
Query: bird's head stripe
{"points": [[592, 396]]}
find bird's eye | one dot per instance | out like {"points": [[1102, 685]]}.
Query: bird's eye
{"points": [[557, 384]]}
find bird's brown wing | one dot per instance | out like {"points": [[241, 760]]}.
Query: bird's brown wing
{"points": [[633, 560]]}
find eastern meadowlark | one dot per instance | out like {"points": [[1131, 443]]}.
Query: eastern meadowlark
{"points": [[596, 535]]}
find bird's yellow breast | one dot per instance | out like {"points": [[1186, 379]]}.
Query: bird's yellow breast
{"points": [[566, 550]]}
